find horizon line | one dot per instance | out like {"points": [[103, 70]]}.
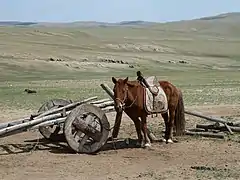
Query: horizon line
{"points": [[64, 22]]}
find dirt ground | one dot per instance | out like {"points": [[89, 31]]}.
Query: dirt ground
{"points": [[27, 156]]}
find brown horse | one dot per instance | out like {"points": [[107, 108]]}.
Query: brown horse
{"points": [[129, 97]]}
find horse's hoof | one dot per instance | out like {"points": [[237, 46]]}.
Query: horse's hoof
{"points": [[163, 140], [169, 141], [147, 145]]}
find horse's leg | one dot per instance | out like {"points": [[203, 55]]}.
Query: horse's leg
{"points": [[170, 125], [147, 142], [138, 130], [165, 118], [137, 124]]}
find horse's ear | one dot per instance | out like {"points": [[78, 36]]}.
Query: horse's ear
{"points": [[114, 80], [125, 80]]}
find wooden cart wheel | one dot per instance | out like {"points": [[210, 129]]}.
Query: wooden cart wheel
{"points": [[52, 132], [86, 129]]}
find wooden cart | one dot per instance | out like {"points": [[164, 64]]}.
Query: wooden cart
{"points": [[84, 124]]}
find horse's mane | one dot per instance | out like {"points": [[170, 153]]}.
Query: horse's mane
{"points": [[133, 83]]}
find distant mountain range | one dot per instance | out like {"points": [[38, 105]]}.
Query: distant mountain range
{"points": [[16, 23], [227, 17], [76, 23]]}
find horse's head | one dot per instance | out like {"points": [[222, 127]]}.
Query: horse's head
{"points": [[120, 93]]}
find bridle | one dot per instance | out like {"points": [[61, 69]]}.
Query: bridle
{"points": [[123, 102]]}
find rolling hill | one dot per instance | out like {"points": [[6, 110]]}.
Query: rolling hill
{"points": [[233, 17]]}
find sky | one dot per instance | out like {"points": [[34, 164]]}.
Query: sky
{"points": [[112, 10]]}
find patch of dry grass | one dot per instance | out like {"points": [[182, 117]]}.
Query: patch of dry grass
{"points": [[209, 76]]}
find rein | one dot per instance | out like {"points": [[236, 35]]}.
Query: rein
{"points": [[125, 98]]}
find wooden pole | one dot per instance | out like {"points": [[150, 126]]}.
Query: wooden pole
{"points": [[214, 119], [49, 123], [25, 129], [228, 128], [237, 123], [46, 123], [108, 109], [152, 137], [7, 124], [100, 101], [205, 134], [30, 123], [38, 115], [117, 124], [108, 90], [68, 107], [215, 127], [105, 104]]}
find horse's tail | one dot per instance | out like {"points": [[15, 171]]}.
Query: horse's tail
{"points": [[180, 116]]}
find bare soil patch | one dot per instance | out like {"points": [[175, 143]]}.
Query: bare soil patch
{"points": [[190, 158]]}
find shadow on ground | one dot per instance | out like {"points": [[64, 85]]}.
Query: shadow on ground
{"points": [[60, 146]]}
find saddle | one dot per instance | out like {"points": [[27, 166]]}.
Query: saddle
{"points": [[155, 99]]}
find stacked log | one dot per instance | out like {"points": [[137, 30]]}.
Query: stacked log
{"points": [[219, 129]]}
